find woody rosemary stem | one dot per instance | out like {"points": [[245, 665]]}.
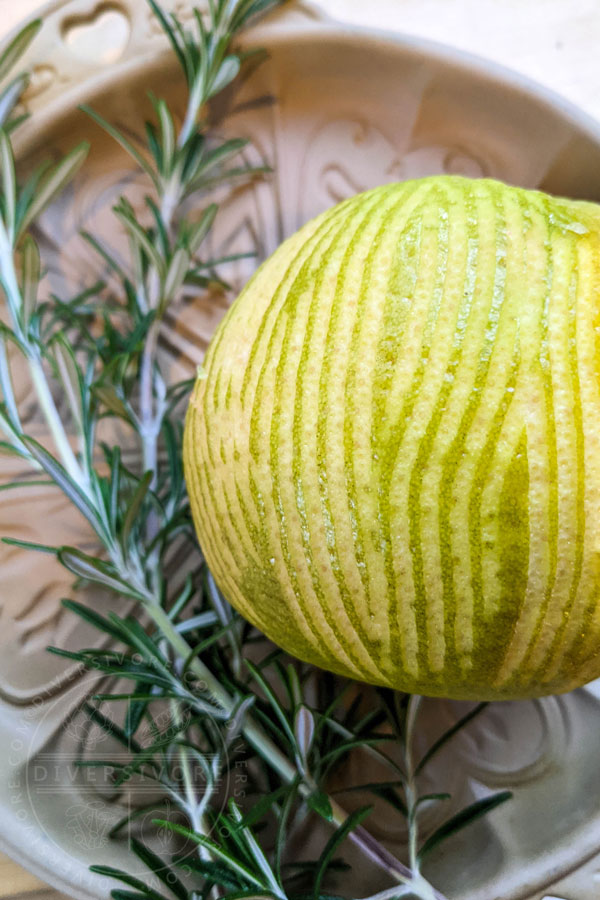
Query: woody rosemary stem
{"points": [[149, 427], [262, 743], [48, 407], [151, 411]]}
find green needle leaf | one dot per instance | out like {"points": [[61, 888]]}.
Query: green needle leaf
{"points": [[262, 806], [320, 803], [30, 278], [215, 850], [6, 384], [146, 892], [112, 729], [71, 378], [138, 812], [96, 571], [141, 237], [135, 505], [93, 618], [9, 184], [272, 698], [229, 70], [336, 839], [11, 485], [66, 484], [52, 184], [125, 143], [170, 33], [168, 135], [178, 268], [448, 735], [200, 229], [212, 871], [18, 46], [461, 820], [256, 853], [8, 99], [156, 865], [30, 545], [135, 895]]}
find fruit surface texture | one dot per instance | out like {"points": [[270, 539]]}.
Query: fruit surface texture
{"points": [[393, 450]]}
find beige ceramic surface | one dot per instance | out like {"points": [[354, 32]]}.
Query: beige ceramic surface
{"points": [[334, 112]]}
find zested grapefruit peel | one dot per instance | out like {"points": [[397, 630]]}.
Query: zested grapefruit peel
{"points": [[393, 450]]}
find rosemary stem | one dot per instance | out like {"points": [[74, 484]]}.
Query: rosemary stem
{"points": [[150, 417], [270, 752], [254, 734], [191, 114], [373, 850], [191, 799], [413, 885], [147, 417], [48, 407], [419, 885], [170, 199], [191, 807], [8, 274], [197, 821], [410, 788]]}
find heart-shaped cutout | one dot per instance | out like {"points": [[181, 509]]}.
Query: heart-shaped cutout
{"points": [[100, 37]]}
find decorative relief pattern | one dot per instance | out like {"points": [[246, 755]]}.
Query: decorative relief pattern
{"points": [[40, 80], [101, 36], [516, 742]]}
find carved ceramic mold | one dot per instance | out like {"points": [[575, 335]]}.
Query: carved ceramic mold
{"points": [[333, 111]]}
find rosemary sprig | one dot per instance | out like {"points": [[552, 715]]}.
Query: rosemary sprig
{"points": [[101, 350]]}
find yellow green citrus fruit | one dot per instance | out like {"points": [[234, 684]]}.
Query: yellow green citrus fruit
{"points": [[393, 453]]}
